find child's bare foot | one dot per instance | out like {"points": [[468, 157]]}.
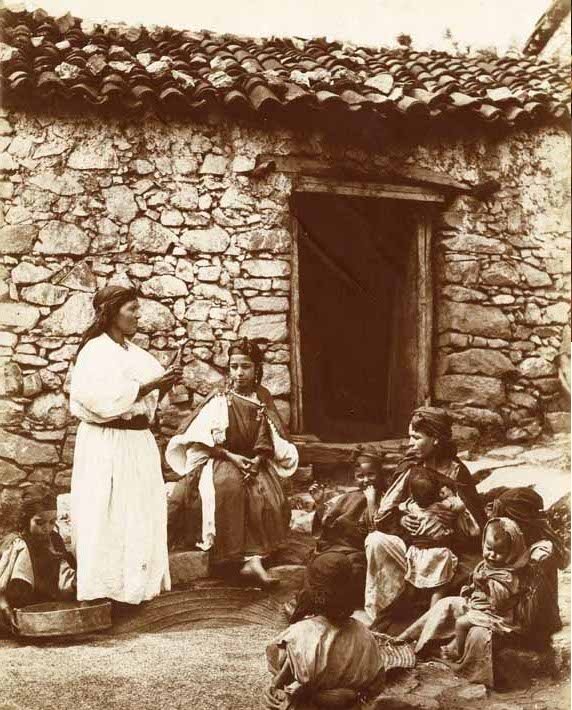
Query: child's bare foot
{"points": [[449, 652]]}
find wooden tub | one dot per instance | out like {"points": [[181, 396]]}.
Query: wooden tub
{"points": [[54, 619]]}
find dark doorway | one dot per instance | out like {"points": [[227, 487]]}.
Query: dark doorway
{"points": [[358, 312]]}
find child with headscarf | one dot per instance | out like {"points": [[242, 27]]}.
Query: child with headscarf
{"points": [[329, 657], [36, 566], [490, 601], [341, 524], [431, 564]]}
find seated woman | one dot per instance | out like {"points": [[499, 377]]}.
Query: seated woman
{"points": [[341, 525], [431, 564], [492, 602], [329, 659], [432, 446], [36, 567], [231, 452]]}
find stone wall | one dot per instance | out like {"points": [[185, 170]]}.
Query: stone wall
{"points": [[173, 210], [558, 46]]}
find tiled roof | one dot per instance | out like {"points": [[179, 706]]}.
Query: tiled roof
{"points": [[129, 70]]}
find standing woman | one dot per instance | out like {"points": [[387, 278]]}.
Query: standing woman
{"points": [[232, 451], [118, 500], [430, 445]]}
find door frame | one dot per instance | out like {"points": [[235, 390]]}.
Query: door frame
{"points": [[421, 200]]}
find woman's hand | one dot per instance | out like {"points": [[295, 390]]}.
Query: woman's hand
{"points": [[446, 516], [317, 491], [243, 463], [370, 495], [172, 375], [411, 524]]}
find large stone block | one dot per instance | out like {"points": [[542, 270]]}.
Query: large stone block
{"points": [[25, 451], [276, 378], [50, 409], [18, 316], [266, 268], [164, 287], [482, 418], [268, 304], [214, 165], [535, 278], [154, 317], [276, 241], [558, 313], [11, 475], [474, 244], [269, 327], [209, 241], [488, 321], [149, 236], [470, 389], [188, 566], [534, 367], [80, 278], [64, 185], [26, 273], [461, 272], [45, 294], [11, 380], [17, 238], [11, 413], [478, 361], [212, 292], [187, 198], [62, 238], [501, 273], [99, 155], [120, 203], [201, 377], [72, 318]]}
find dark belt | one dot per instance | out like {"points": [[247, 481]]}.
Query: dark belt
{"points": [[137, 423]]}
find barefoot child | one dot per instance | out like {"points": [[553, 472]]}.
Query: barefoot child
{"points": [[328, 659], [493, 594], [36, 566], [341, 525], [490, 601], [431, 564]]}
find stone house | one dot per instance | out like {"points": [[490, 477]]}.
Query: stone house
{"points": [[394, 223]]}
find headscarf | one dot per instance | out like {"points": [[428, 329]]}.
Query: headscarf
{"points": [[328, 580], [436, 422], [526, 507], [251, 349], [519, 555], [364, 455], [106, 303], [32, 505]]}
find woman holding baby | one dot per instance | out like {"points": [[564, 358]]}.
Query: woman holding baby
{"points": [[428, 525]]}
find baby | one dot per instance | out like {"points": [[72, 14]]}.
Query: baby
{"points": [[493, 595], [431, 564]]}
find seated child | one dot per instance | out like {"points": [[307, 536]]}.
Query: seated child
{"points": [[493, 594], [36, 567], [492, 599], [342, 524], [431, 564], [329, 659]]}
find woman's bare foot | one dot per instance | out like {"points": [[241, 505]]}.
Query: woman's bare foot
{"points": [[254, 570], [450, 652]]}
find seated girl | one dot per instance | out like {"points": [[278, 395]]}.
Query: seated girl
{"points": [[329, 659], [36, 566], [232, 452], [341, 525], [491, 600], [431, 564]]}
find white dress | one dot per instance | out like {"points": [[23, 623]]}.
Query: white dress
{"points": [[118, 500]]}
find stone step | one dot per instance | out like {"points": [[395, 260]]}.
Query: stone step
{"points": [[186, 566]]}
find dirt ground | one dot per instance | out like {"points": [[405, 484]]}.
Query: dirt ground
{"points": [[201, 668]]}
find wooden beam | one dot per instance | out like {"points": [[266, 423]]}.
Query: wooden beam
{"points": [[313, 452], [424, 307], [296, 398], [367, 189]]}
